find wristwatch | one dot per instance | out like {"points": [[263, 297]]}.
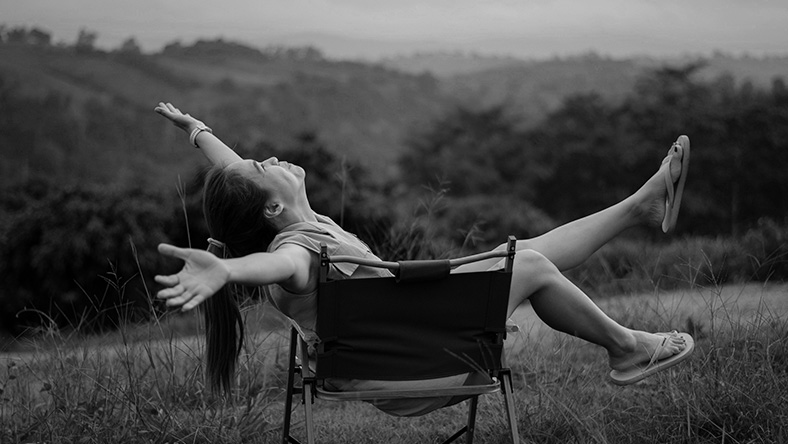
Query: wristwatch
{"points": [[197, 130]]}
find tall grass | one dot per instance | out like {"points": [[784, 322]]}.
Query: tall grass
{"points": [[734, 388], [627, 265], [146, 386], [144, 383]]}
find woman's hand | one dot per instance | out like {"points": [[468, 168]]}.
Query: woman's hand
{"points": [[179, 119], [214, 149], [202, 275]]}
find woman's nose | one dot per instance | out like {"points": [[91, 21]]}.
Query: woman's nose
{"points": [[271, 161]]}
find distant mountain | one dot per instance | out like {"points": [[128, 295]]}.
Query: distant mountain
{"points": [[248, 96], [365, 111], [532, 88], [449, 64], [760, 70]]}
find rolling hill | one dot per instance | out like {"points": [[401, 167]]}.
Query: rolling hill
{"points": [[266, 98]]}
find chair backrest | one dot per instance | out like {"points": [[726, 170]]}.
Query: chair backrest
{"points": [[423, 323]]}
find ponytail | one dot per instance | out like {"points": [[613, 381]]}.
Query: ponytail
{"points": [[233, 207]]}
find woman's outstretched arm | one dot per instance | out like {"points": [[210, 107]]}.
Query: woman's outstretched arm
{"points": [[203, 274], [214, 149]]}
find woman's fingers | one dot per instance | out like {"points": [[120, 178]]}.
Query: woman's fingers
{"points": [[169, 111], [193, 302], [163, 108], [180, 300], [169, 281], [185, 289], [177, 296], [173, 251], [186, 300], [171, 292]]}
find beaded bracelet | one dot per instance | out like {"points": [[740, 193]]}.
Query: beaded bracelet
{"points": [[197, 130]]}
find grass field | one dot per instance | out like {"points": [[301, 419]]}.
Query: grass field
{"points": [[144, 384]]}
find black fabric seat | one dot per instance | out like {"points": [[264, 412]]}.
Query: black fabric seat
{"points": [[423, 323]]}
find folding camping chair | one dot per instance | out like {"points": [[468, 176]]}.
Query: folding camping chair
{"points": [[423, 323]]}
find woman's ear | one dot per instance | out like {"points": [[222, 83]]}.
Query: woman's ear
{"points": [[273, 208]]}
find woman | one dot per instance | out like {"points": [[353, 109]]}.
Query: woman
{"points": [[270, 237]]}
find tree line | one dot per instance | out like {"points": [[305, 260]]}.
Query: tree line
{"points": [[86, 252], [590, 152], [85, 42]]}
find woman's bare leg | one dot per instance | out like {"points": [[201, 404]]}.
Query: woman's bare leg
{"points": [[570, 245], [564, 307], [573, 243]]}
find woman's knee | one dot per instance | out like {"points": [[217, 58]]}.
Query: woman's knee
{"points": [[534, 266], [532, 272]]}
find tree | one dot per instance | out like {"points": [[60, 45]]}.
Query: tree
{"points": [[589, 153], [586, 156], [471, 152], [130, 47], [489, 169], [62, 249], [16, 35], [39, 37], [86, 41], [604, 152]]}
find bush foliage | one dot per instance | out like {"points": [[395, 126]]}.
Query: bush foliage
{"points": [[627, 265], [590, 152], [63, 248]]}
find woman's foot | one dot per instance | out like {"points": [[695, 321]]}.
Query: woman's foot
{"points": [[653, 352], [642, 348], [657, 201]]}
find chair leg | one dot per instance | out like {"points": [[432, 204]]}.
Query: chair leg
{"points": [[470, 426], [292, 390], [288, 413], [508, 396], [286, 438], [308, 390], [309, 418], [474, 403]]}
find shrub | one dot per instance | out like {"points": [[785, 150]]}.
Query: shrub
{"points": [[628, 265], [490, 219], [68, 255], [766, 246]]}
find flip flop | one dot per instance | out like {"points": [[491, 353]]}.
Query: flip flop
{"points": [[638, 373], [681, 147]]}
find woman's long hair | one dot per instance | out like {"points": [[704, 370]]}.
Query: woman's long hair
{"points": [[233, 207]]}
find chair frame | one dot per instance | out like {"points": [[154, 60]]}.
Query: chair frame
{"points": [[311, 386]]}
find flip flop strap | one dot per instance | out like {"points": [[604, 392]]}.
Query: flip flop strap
{"points": [[669, 183], [655, 356]]}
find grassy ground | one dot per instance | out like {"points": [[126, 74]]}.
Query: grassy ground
{"points": [[147, 385]]}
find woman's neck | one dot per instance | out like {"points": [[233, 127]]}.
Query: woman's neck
{"points": [[295, 215]]}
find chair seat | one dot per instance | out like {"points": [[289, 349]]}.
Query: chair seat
{"points": [[368, 395]]}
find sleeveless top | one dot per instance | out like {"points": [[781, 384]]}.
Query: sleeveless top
{"points": [[301, 308]]}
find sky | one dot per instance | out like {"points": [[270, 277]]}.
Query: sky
{"points": [[371, 29]]}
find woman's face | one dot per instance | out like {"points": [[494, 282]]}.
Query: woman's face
{"points": [[276, 177]]}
